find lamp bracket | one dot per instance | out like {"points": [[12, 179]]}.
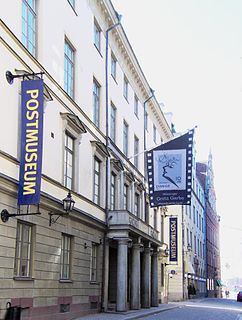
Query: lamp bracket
{"points": [[10, 77], [5, 215], [53, 220]]}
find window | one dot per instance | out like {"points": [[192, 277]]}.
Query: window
{"points": [[29, 25], [23, 251], [93, 267], [137, 204], [126, 196], [113, 66], [155, 219], [195, 244], [113, 122], [188, 242], [113, 191], [126, 88], [136, 106], [194, 215], [191, 239], [154, 133], [96, 103], [162, 275], [68, 161], [162, 228], [146, 212], [69, 69], [125, 138], [136, 151], [96, 187], [65, 256], [146, 121], [97, 36]]}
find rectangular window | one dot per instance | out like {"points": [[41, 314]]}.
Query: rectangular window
{"points": [[96, 187], [68, 161], [154, 133], [93, 266], [69, 69], [162, 275], [191, 239], [162, 228], [155, 218], [29, 25], [126, 88], [137, 204], [113, 122], [195, 244], [136, 106], [126, 196], [113, 66], [65, 256], [113, 191], [197, 220], [194, 215], [146, 121], [125, 138], [96, 103], [23, 251], [188, 241], [136, 151], [97, 36]]}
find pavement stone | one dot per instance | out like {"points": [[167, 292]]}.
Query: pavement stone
{"points": [[129, 315]]}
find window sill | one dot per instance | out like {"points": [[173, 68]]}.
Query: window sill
{"points": [[65, 281], [19, 278], [94, 282]]}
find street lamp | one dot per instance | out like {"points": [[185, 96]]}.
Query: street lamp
{"points": [[68, 205]]}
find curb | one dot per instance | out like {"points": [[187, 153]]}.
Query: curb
{"points": [[143, 315]]}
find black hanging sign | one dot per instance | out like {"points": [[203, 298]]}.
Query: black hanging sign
{"points": [[169, 168]]}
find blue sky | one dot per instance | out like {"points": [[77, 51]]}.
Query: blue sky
{"points": [[191, 54]]}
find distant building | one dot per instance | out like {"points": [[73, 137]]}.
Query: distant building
{"points": [[206, 177]]}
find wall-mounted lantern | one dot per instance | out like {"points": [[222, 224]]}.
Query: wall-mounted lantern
{"points": [[68, 205]]}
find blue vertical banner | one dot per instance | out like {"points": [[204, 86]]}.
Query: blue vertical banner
{"points": [[169, 168], [32, 109], [173, 239]]}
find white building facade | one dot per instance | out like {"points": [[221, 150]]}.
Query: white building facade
{"points": [[104, 253]]}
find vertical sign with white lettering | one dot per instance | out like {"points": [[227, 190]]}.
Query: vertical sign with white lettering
{"points": [[173, 239], [32, 100]]}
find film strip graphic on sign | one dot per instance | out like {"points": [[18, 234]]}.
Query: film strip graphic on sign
{"points": [[169, 168]]}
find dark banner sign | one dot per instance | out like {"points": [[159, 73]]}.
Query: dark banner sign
{"points": [[169, 169], [32, 99], [173, 239]]}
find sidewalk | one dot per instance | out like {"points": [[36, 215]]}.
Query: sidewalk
{"points": [[131, 314]]}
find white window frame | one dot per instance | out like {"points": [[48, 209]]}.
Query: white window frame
{"points": [[24, 245], [96, 102], [136, 151], [113, 114], [126, 88], [113, 66], [125, 138], [97, 35], [136, 106], [69, 68], [94, 263], [29, 23], [65, 258], [97, 180]]}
